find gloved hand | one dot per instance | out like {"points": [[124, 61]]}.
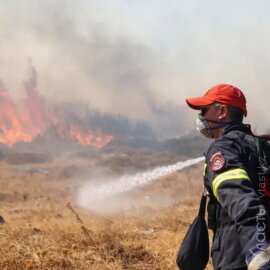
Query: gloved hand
{"points": [[260, 259]]}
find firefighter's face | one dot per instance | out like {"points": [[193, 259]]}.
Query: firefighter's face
{"points": [[216, 112]]}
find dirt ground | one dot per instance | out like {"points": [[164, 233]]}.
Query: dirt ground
{"points": [[45, 228]]}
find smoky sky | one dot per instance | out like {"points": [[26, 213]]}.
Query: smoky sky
{"points": [[76, 61], [140, 59]]}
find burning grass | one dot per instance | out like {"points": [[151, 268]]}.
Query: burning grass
{"points": [[43, 232]]}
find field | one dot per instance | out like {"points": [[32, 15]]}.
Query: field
{"points": [[43, 227]]}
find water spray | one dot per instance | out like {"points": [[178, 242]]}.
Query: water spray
{"points": [[91, 193]]}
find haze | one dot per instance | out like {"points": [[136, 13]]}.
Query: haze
{"points": [[138, 58]]}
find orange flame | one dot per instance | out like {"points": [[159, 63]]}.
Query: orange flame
{"points": [[23, 122]]}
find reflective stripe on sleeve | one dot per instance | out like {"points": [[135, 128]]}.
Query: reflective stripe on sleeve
{"points": [[204, 169], [226, 176]]}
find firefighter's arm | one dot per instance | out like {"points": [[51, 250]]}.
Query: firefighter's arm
{"points": [[232, 187]]}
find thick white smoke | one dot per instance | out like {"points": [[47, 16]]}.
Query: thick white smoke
{"points": [[92, 194]]}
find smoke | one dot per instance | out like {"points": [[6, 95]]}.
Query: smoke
{"points": [[138, 59], [81, 58], [97, 197], [76, 61]]}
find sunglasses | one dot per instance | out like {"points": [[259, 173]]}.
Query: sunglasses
{"points": [[205, 109]]}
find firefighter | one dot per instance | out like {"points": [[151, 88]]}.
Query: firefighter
{"points": [[236, 210]]}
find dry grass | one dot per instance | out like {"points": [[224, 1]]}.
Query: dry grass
{"points": [[42, 231]]}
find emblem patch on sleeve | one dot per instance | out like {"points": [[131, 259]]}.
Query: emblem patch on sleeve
{"points": [[217, 161]]}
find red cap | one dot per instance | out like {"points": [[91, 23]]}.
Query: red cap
{"points": [[222, 93]]}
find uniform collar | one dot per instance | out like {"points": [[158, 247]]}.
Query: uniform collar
{"points": [[246, 128]]}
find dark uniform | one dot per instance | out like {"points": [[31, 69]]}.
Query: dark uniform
{"points": [[236, 211]]}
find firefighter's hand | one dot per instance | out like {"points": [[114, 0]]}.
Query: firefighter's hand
{"points": [[260, 259]]}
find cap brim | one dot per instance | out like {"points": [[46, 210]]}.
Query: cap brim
{"points": [[198, 102]]}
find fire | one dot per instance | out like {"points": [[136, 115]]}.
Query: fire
{"points": [[86, 138], [24, 121], [12, 129]]}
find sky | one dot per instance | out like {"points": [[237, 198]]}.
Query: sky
{"points": [[138, 58]]}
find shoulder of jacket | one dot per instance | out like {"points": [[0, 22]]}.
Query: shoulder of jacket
{"points": [[231, 140]]}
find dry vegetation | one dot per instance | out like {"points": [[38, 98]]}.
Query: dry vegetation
{"points": [[43, 231]]}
